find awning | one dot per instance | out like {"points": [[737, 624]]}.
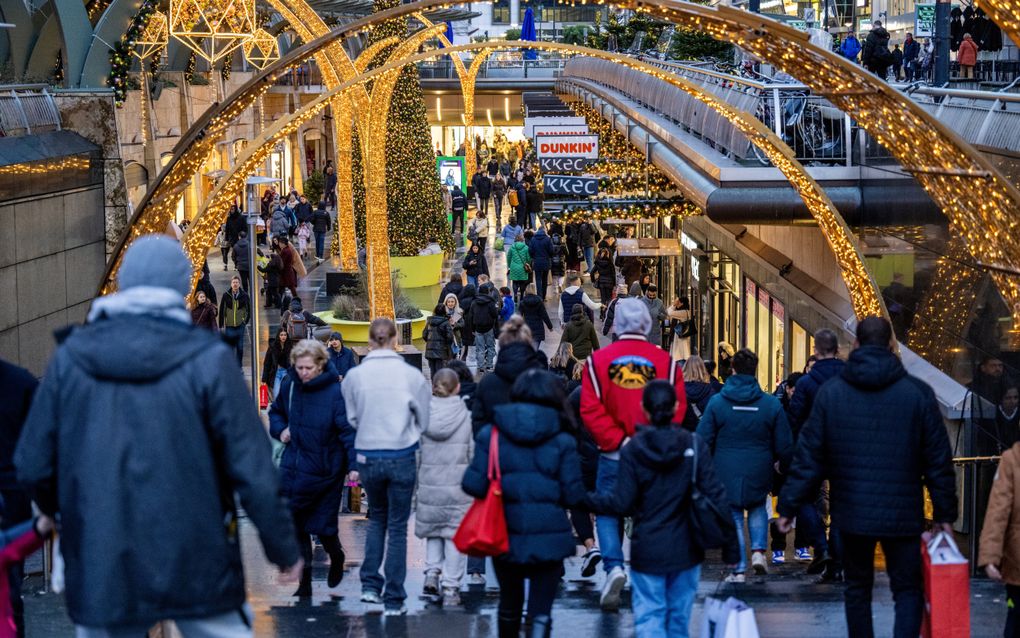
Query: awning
{"points": [[648, 247]]}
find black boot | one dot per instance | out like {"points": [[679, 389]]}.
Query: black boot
{"points": [[541, 627], [509, 626], [818, 564], [336, 560], [304, 589]]}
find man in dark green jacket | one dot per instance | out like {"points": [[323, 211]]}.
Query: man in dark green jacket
{"points": [[749, 436]]}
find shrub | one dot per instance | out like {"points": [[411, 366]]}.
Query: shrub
{"points": [[353, 305]]}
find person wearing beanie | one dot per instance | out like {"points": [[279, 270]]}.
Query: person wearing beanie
{"points": [[607, 325], [611, 410], [172, 428], [342, 357], [298, 322]]}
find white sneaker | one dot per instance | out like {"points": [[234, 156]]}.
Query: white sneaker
{"points": [[735, 578], [778, 557], [759, 564], [615, 580], [373, 597], [476, 579], [395, 611], [803, 554]]}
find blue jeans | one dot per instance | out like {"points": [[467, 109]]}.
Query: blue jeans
{"points": [[485, 350], [813, 528], [542, 281], [281, 373], [609, 528], [757, 527], [235, 339], [320, 244], [472, 281], [589, 256], [389, 484], [662, 602]]}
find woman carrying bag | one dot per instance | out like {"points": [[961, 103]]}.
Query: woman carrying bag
{"points": [[537, 456]]}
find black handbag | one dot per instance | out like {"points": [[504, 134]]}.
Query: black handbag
{"points": [[711, 525]]}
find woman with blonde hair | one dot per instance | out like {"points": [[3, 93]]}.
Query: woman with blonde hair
{"points": [[309, 416], [698, 385], [563, 362]]}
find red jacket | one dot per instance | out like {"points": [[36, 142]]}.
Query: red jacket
{"points": [[614, 380], [18, 543]]}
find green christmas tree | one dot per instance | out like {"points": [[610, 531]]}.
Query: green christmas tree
{"points": [[413, 197]]}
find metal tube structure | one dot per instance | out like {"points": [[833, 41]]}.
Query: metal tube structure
{"points": [[942, 8], [252, 216]]}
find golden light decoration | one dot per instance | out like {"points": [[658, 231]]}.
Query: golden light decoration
{"points": [[864, 294], [982, 203], [1005, 14], [262, 49], [212, 28], [155, 36]]}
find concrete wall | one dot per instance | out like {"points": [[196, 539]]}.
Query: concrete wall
{"points": [[48, 275]]}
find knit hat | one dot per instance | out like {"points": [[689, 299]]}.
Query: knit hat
{"points": [[632, 317], [158, 261], [335, 335], [295, 305]]}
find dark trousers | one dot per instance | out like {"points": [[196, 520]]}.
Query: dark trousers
{"points": [[272, 296], [235, 339], [542, 282], [519, 287], [329, 543], [778, 542], [458, 222], [483, 204], [320, 244], [498, 204], [544, 580], [903, 563], [226, 256], [17, 509], [389, 484], [581, 521], [1013, 612], [434, 365], [245, 279]]}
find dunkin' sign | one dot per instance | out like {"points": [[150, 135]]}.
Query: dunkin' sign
{"points": [[585, 146]]}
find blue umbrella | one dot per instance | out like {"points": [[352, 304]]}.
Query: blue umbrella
{"points": [[449, 33], [528, 33]]}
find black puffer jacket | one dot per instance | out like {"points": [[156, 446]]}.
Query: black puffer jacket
{"points": [[483, 312], [654, 486], [876, 433], [532, 308], [494, 389], [698, 394], [807, 389], [144, 470]]}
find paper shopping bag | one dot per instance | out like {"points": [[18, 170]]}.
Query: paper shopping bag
{"points": [[946, 589], [728, 618]]}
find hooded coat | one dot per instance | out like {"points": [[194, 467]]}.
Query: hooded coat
{"points": [[343, 360], [438, 338], [877, 435], [279, 224], [446, 447], [807, 388], [657, 311], [541, 248], [169, 414], [541, 478], [533, 309], [654, 487], [464, 300], [747, 432], [483, 312], [698, 395], [516, 259], [580, 333], [494, 389]]}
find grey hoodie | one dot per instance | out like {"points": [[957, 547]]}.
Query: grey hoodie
{"points": [[446, 449], [387, 403], [658, 313]]}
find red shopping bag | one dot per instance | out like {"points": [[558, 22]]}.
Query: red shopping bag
{"points": [[946, 589], [263, 396], [483, 530]]}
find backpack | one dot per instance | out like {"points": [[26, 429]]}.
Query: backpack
{"points": [[297, 326], [511, 196]]}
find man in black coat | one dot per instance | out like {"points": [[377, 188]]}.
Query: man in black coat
{"points": [[876, 434], [535, 202], [482, 316], [483, 190], [322, 223], [876, 54], [303, 211], [541, 249], [458, 207], [17, 386], [142, 435]]}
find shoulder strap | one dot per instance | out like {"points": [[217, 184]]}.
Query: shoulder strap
{"points": [[494, 471]]}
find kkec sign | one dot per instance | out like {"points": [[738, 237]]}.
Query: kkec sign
{"points": [[570, 185], [584, 146], [564, 164]]}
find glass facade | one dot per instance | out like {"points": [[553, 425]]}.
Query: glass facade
{"points": [[501, 12]]}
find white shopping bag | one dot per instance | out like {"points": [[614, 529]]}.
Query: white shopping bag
{"points": [[728, 618]]}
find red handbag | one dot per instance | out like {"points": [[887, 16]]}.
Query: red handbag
{"points": [[263, 396], [483, 530]]}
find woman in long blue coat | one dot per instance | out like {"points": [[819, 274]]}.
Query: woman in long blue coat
{"points": [[309, 416]]}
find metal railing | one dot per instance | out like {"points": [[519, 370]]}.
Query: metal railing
{"points": [[502, 67], [27, 109], [984, 118]]}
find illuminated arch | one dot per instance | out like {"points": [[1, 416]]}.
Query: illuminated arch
{"points": [[1004, 13], [982, 205], [864, 294]]}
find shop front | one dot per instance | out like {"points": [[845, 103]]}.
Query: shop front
{"points": [[765, 333]]}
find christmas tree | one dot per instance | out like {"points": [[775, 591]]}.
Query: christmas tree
{"points": [[414, 201]]}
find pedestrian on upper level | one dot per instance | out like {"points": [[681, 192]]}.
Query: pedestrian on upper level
{"points": [[878, 435], [152, 391], [967, 56], [388, 404], [911, 58], [876, 55], [851, 47]]}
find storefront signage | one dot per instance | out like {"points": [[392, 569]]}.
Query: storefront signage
{"points": [[564, 164], [585, 146], [565, 129], [451, 172], [531, 122], [570, 185], [924, 20]]}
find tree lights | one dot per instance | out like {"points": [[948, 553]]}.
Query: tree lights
{"points": [[262, 49], [212, 28]]}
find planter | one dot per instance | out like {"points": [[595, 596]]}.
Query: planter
{"points": [[357, 331], [418, 271]]}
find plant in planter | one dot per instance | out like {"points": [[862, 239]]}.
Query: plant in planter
{"points": [[352, 303]]}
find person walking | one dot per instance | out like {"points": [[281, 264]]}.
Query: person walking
{"points": [[322, 223], [203, 314], [233, 317], [270, 271], [911, 58], [290, 265], [498, 193], [475, 264], [329, 187], [580, 334], [152, 391], [242, 260], [748, 435], [535, 204], [574, 295], [340, 356], [438, 336], [445, 454], [309, 417], [656, 311], [388, 404], [967, 56], [607, 323], [587, 236], [557, 261], [654, 487], [851, 47], [876, 55], [17, 388], [458, 206], [224, 243], [603, 275], [482, 316], [510, 233], [897, 63], [277, 361], [518, 262], [516, 354], [999, 547], [611, 410], [279, 223], [532, 308], [478, 232], [684, 328], [483, 192], [876, 432], [521, 210], [698, 386], [541, 249], [541, 474]]}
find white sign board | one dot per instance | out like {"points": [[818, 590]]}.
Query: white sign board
{"points": [[924, 20], [564, 129], [583, 146], [531, 122]]}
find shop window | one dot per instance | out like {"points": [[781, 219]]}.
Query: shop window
{"points": [[501, 12]]}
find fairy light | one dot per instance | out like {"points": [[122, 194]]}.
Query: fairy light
{"points": [[262, 49], [154, 37], [222, 25], [439, 108], [46, 167], [506, 108]]}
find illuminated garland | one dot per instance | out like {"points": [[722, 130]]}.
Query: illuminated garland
{"points": [[628, 182], [623, 209], [76, 163], [225, 70], [120, 54], [189, 71], [58, 68]]}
